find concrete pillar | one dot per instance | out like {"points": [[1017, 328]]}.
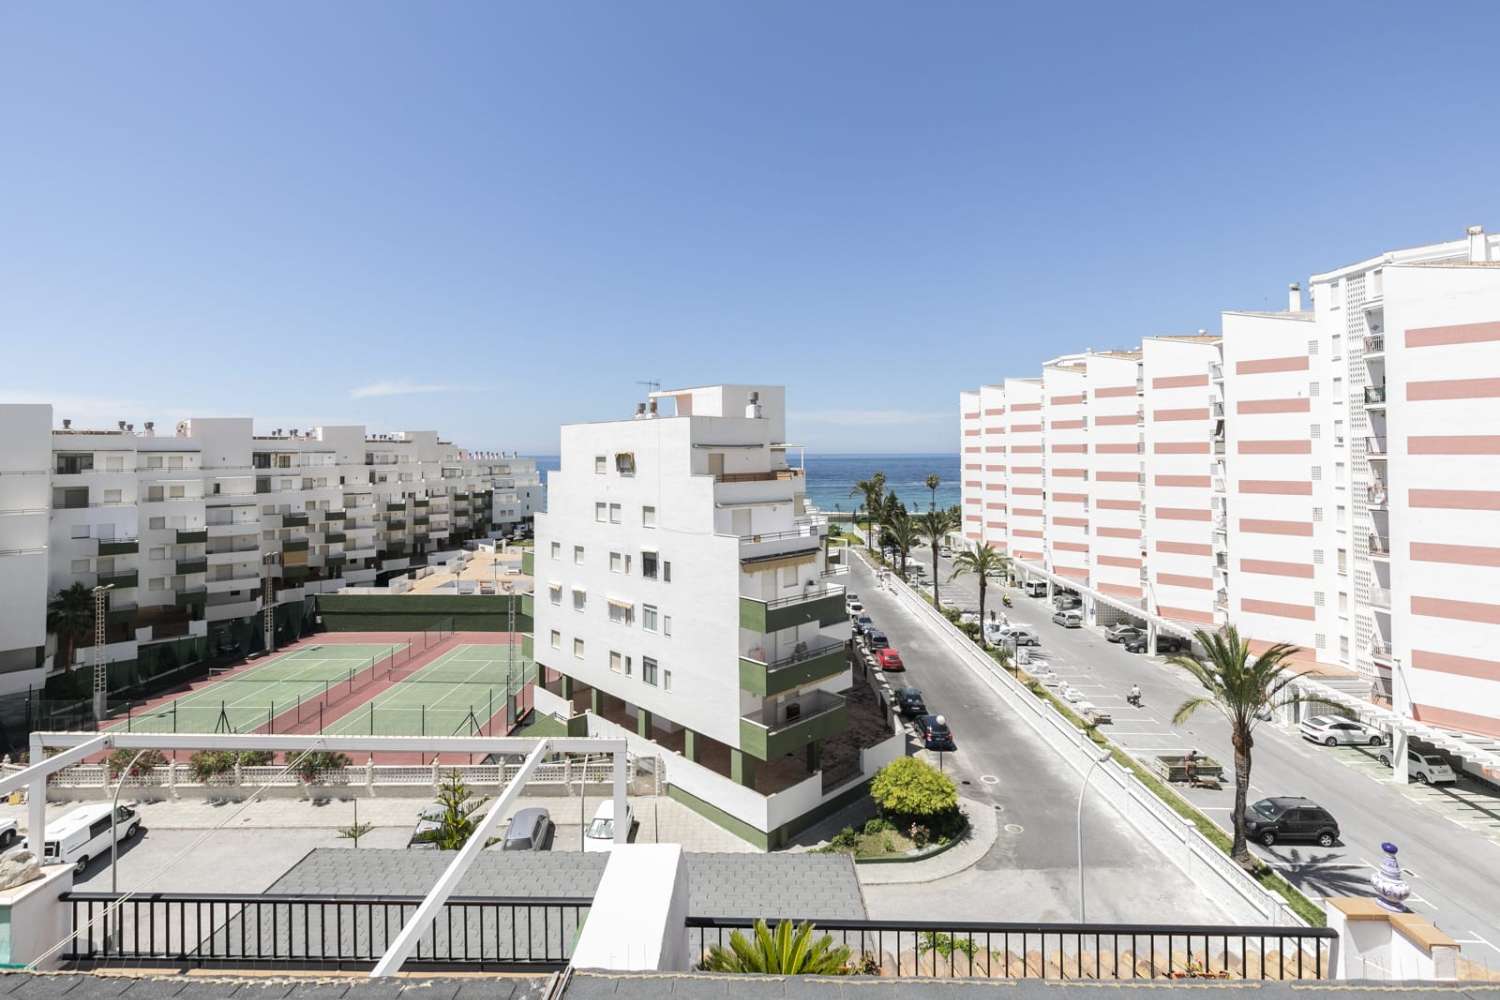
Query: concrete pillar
{"points": [[1399, 774], [566, 687], [1150, 637], [690, 745], [742, 768], [643, 723], [814, 755], [638, 917], [36, 801], [596, 702]]}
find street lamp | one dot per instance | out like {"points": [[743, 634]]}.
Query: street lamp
{"points": [[114, 814], [1082, 905]]}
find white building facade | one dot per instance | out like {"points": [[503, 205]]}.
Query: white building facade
{"points": [[1326, 476]]}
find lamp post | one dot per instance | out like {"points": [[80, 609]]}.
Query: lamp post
{"points": [[1082, 904], [114, 815]]}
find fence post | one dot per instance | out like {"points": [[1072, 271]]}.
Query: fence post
{"points": [[239, 774], [436, 774], [370, 775], [171, 778]]}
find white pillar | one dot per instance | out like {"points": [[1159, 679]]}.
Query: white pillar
{"points": [[638, 918], [36, 799], [622, 823], [1150, 637], [1399, 740]]}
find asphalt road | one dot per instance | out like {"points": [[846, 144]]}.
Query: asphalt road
{"points": [[1443, 834], [1031, 872]]}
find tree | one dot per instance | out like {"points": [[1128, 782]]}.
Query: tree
{"points": [[933, 482], [903, 531], [873, 492], [912, 788], [70, 616], [782, 952], [980, 560], [934, 526], [357, 830], [456, 824], [1242, 687]]}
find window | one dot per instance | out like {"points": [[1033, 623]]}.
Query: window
{"points": [[1338, 346], [80, 531], [554, 594], [625, 463], [1315, 431], [556, 639], [80, 565], [1317, 557], [616, 562], [1317, 473], [1338, 390], [557, 550], [1317, 514], [599, 508], [614, 513], [153, 461], [1344, 647], [580, 599], [158, 552], [176, 492], [113, 496], [648, 617], [1338, 432], [1343, 555], [578, 555], [648, 517], [1322, 640], [1318, 599], [666, 572], [157, 583], [648, 564], [601, 465], [577, 649], [1343, 603], [666, 625], [157, 524], [1313, 390], [1343, 511], [616, 661], [666, 680], [789, 576], [1312, 348], [648, 670], [621, 614]]}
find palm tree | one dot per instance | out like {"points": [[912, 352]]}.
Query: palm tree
{"points": [[70, 616], [873, 492], [932, 484], [904, 534], [1242, 687], [982, 561], [934, 526], [782, 952], [456, 823]]}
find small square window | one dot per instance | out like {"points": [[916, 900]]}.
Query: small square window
{"points": [[157, 524], [616, 661], [580, 599], [599, 509], [557, 550], [649, 561], [666, 572], [614, 513], [158, 552], [80, 565], [601, 464], [554, 594], [578, 555], [648, 517], [556, 639], [648, 670], [80, 531], [157, 583], [625, 463], [577, 649], [616, 562], [648, 617]]}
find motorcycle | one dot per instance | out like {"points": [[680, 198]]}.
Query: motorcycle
{"points": [[1005, 600], [1133, 700]]}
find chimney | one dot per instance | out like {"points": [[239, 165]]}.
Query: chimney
{"points": [[151, 428], [1479, 247], [752, 408], [653, 408], [640, 411], [67, 423], [1294, 297], [122, 425]]}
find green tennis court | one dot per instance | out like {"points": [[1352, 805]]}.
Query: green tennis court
{"points": [[455, 695], [247, 699]]}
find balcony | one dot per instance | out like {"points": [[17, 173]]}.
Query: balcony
{"points": [[814, 662], [120, 580], [1375, 448], [528, 562], [118, 546], [824, 605], [1375, 345], [294, 520], [334, 537], [1375, 396], [1380, 598], [226, 584], [421, 502], [770, 476], [528, 646], [420, 520], [528, 605], [395, 507], [335, 515], [1380, 546], [1218, 446], [225, 529], [294, 545], [1375, 496], [804, 535], [395, 525], [1221, 600], [192, 595], [771, 734], [199, 535], [193, 564], [121, 612], [1380, 651]]}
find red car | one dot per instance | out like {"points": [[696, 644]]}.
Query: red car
{"points": [[889, 659]]}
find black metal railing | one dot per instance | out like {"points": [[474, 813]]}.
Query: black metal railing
{"points": [[319, 932], [959, 950]]}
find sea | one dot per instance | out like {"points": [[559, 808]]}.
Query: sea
{"points": [[830, 478]]}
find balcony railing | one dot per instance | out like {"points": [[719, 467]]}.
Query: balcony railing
{"points": [[294, 520], [198, 535], [118, 546], [770, 476], [1380, 651], [1375, 496], [334, 537], [1380, 545], [192, 595], [1375, 344], [1375, 395], [294, 545], [196, 564], [824, 605], [806, 664], [1380, 597], [128, 578], [1375, 447], [800, 722]]}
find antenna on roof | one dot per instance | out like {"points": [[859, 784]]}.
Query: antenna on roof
{"points": [[651, 384]]}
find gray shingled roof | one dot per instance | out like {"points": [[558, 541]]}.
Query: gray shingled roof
{"points": [[818, 886]]}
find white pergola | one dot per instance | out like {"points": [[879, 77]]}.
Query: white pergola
{"points": [[77, 747]]}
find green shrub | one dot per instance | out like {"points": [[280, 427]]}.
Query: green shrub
{"points": [[878, 825], [320, 760], [120, 760], [845, 840], [914, 788], [209, 763], [256, 758]]}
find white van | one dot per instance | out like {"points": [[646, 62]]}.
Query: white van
{"points": [[600, 833], [83, 835]]}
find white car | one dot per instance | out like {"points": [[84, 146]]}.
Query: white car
{"points": [[1022, 636], [8, 833], [855, 608], [600, 835], [1332, 730], [1429, 769]]}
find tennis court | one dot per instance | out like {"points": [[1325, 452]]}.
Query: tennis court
{"points": [[249, 698], [457, 694]]}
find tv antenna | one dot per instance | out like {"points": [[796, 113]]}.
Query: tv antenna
{"points": [[651, 384]]}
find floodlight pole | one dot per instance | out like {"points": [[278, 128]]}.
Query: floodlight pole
{"points": [[101, 673]]}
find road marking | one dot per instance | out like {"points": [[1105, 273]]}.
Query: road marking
{"points": [[1014, 828], [989, 779], [1479, 939]]}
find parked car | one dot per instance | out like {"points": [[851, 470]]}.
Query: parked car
{"points": [[1068, 619], [909, 703], [428, 820], [968, 618], [854, 606], [1172, 643], [1034, 588], [8, 833], [83, 834], [992, 631], [530, 829], [1066, 602], [862, 623], [599, 835], [934, 733], [1022, 636], [889, 659], [876, 639], [1120, 631], [1428, 768], [1290, 817], [1332, 730]]}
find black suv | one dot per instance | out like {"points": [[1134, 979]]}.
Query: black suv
{"points": [[1164, 643], [935, 733], [909, 703], [1290, 817], [876, 639]]}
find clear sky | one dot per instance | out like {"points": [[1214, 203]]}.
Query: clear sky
{"points": [[493, 218]]}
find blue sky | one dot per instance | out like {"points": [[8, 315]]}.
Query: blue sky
{"points": [[494, 218]]}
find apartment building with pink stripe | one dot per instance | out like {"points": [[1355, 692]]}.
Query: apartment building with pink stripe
{"points": [[1066, 461], [1327, 476]]}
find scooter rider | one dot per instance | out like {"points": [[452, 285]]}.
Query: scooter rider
{"points": [[1134, 697]]}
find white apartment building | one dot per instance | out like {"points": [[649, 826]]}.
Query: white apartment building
{"points": [[189, 529], [1327, 476], [684, 597]]}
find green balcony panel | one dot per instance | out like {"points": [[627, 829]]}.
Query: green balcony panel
{"points": [[294, 520], [826, 607], [336, 558], [294, 545], [117, 616], [294, 573], [119, 546], [786, 674], [128, 578], [195, 537], [528, 562], [395, 506], [421, 502], [195, 595], [334, 537], [197, 564], [528, 644], [528, 605], [335, 515], [823, 715], [395, 525]]}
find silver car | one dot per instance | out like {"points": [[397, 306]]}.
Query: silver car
{"points": [[1428, 768], [1333, 730]]}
